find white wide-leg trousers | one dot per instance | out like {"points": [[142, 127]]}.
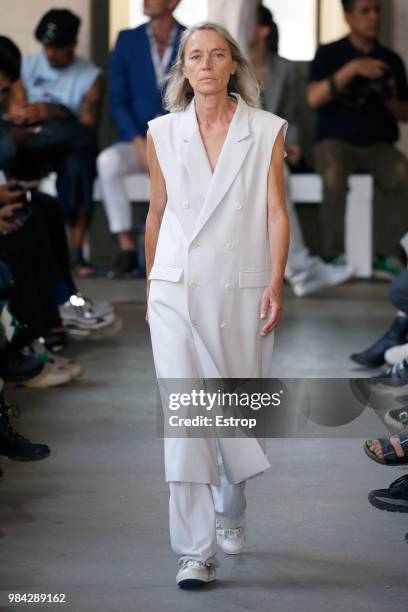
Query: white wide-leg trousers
{"points": [[196, 510]]}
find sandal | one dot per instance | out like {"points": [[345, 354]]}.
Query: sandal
{"points": [[390, 456]]}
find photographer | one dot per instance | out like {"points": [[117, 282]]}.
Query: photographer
{"points": [[360, 91]]}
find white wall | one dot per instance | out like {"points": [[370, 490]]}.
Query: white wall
{"points": [[18, 19]]}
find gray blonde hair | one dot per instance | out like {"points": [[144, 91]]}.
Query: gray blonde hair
{"points": [[178, 91]]}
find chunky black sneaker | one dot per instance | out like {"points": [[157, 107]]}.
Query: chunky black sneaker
{"points": [[393, 499], [394, 380], [14, 446], [126, 264], [397, 418], [373, 357]]}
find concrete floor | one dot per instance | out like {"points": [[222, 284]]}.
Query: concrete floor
{"points": [[91, 521]]}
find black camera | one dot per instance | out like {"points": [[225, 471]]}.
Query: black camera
{"points": [[382, 86]]}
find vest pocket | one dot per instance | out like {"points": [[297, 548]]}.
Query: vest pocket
{"points": [[254, 279], [166, 272]]}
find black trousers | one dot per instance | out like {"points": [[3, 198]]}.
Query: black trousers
{"points": [[76, 173], [38, 257]]}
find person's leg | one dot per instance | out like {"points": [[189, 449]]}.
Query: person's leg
{"points": [[335, 161], [299, 258], [76, 172], [114, 164], [229, 499], [230, 506], [32, 297], [54, 222], [396, 335], [398, 293], [192, 522], [389, 167], [307, 273]]}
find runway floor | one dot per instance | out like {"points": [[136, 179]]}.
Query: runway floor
{"points": [[91, 521]]}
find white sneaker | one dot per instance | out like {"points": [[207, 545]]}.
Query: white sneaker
{"points": [[74, 368], [95, 307], [194, 574], [231, 541], [396, 354], [320, 276], [76, 316], [98, 334], [38, 350]]}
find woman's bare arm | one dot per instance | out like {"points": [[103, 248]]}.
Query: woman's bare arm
{"points": [[278, 231], [158, 200]]}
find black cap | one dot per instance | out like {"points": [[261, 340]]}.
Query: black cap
{"points": [[10, 58], [57, 28]]}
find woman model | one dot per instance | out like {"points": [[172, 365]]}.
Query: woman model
{"points": [[216, 246]]}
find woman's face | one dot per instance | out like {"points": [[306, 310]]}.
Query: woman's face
{"points": [[208, 63]]}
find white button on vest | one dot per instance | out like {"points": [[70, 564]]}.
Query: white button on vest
{"points": [[194, 322], [238, 205], [185, 204], [224, 324], [228, 286], [192, 285], [195, 245], [229, 246]]}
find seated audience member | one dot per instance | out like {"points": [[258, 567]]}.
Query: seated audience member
{"points": [[62, 92], [43, 296], [11, 137], [360, 91], [396, 336], [304, 272], [140, 61]]}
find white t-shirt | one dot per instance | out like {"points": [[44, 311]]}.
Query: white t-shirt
{"points": [[66, 86]]}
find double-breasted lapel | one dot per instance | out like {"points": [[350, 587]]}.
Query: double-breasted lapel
{"points": [[192, 151], [214, 186]]}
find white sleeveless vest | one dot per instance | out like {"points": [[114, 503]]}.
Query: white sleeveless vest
{"points": [[211, 266]]}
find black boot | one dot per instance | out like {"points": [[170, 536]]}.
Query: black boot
{"points": [[373, 357], [15, 446]]}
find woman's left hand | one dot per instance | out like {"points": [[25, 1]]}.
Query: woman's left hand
{"points": [[271, 301]]}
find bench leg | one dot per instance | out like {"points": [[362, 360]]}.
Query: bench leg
{"points": [[359, 236]]}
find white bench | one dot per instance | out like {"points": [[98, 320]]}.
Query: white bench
{"points": [[305, 188], [308, 188]]}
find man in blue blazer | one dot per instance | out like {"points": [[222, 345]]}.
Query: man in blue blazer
{"points": [[139, 62]]}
